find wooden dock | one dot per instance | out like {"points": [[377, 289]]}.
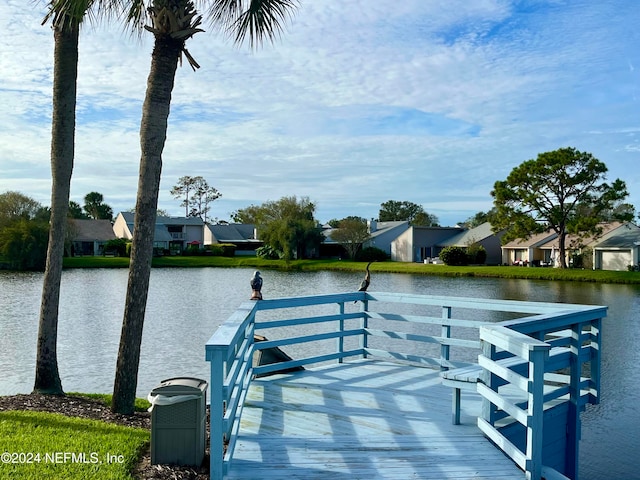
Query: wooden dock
{"points": [[362, 420], [377, 414]]}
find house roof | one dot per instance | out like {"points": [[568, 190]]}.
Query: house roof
{"points": [[576, 241], [382, 228], [468, 237], [179, 220], [92, 230], [233, 232], [533, 241], [162, 220], [627, 238]]}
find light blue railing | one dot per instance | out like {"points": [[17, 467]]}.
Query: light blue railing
{"points": [[552, 356]]}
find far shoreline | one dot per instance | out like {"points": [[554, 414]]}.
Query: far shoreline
{"points": [[480, 271]]}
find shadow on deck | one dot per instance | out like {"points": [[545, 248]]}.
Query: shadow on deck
{"points": [[363, 419]]}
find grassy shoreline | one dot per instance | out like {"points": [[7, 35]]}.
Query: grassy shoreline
{"points": [[531, 273]]}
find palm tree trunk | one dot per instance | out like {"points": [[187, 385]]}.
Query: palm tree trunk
{"points": [[153, 132], [62, 151]]}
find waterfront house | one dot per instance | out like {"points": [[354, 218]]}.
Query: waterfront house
{"points": [[618, 250], [243, 235], [383, 234], [483, 236], [419, 243], [88, 237], [582, 245], [528, 251], [172, 234]]}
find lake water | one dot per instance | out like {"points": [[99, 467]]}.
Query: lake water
{"points": [[186, 306]]}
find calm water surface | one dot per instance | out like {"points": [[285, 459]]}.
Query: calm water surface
{"points": [[186, 306]]}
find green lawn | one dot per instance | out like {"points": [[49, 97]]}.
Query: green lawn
{"points": [[37, 445], [600, 276]]}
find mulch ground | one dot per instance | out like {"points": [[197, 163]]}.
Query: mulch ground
{"points": [[96, 410]]}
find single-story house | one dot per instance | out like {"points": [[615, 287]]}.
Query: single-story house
{"points": [[171, 233], [418, 243], [383, 234], [527, 251], [576, 244], [243, 235], [88, 237], [619, 250], [615, 248], [483, 236]]}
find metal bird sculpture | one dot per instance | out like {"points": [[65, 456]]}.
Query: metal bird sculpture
{"points": [[366, 281], [256, 286]]}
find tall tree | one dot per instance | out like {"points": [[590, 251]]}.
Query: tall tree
{"points": [[182, 190], [196, 194], [563, 190], [393, 210], [172, 23], [66, 19], [75, 211], [351, 233], [250, 214], [289, 227], [478, 219], [15, 206], [203, 196], [95, 207]]}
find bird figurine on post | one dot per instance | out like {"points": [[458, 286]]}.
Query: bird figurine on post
{"points": [[256, 286], [366, 281]]}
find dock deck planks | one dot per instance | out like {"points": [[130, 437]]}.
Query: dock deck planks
{"points": [[362, 420]]}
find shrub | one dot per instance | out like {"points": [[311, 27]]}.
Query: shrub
{"points": [[454, 256], [120, 247], [370, 254], [24, 245], [221, 250], [476, 254], [228, 249]]}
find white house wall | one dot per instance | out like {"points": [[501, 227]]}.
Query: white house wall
{"points": [[402, 247], [121, 229]]}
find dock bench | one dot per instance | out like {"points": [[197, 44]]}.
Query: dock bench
{"points": [[459, 378], [467, 377]]}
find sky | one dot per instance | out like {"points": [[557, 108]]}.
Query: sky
{"points": [[357, 103]]}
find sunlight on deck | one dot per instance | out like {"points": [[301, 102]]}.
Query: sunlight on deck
{"points": [[363, 419]]}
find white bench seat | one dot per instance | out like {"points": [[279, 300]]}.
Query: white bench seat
{"points": [[459, 378]]}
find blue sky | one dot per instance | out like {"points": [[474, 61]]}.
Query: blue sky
{"points": [[358, 103]]}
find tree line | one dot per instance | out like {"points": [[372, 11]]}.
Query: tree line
{"points": [[24, 227]]}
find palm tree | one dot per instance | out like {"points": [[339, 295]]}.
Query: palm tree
{"points": [[172, 22], [66, 16]]}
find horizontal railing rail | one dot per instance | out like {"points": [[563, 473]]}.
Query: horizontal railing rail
{"points": [[389, 326]]}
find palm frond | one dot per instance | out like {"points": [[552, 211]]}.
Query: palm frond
{"points": [[255, 20]]}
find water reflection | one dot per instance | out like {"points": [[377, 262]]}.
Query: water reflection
{"points": [[186, 306]]}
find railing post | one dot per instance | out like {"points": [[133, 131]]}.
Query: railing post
{"points": [[216, 413], [341, 330], [364, 340], [535, 413], [573, 415], [446, 333], [488, 411]]}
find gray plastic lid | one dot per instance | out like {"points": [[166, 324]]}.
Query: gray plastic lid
{"points": [[180, 386]]}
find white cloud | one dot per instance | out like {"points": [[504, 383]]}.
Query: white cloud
{"points": [[358, 103]]}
